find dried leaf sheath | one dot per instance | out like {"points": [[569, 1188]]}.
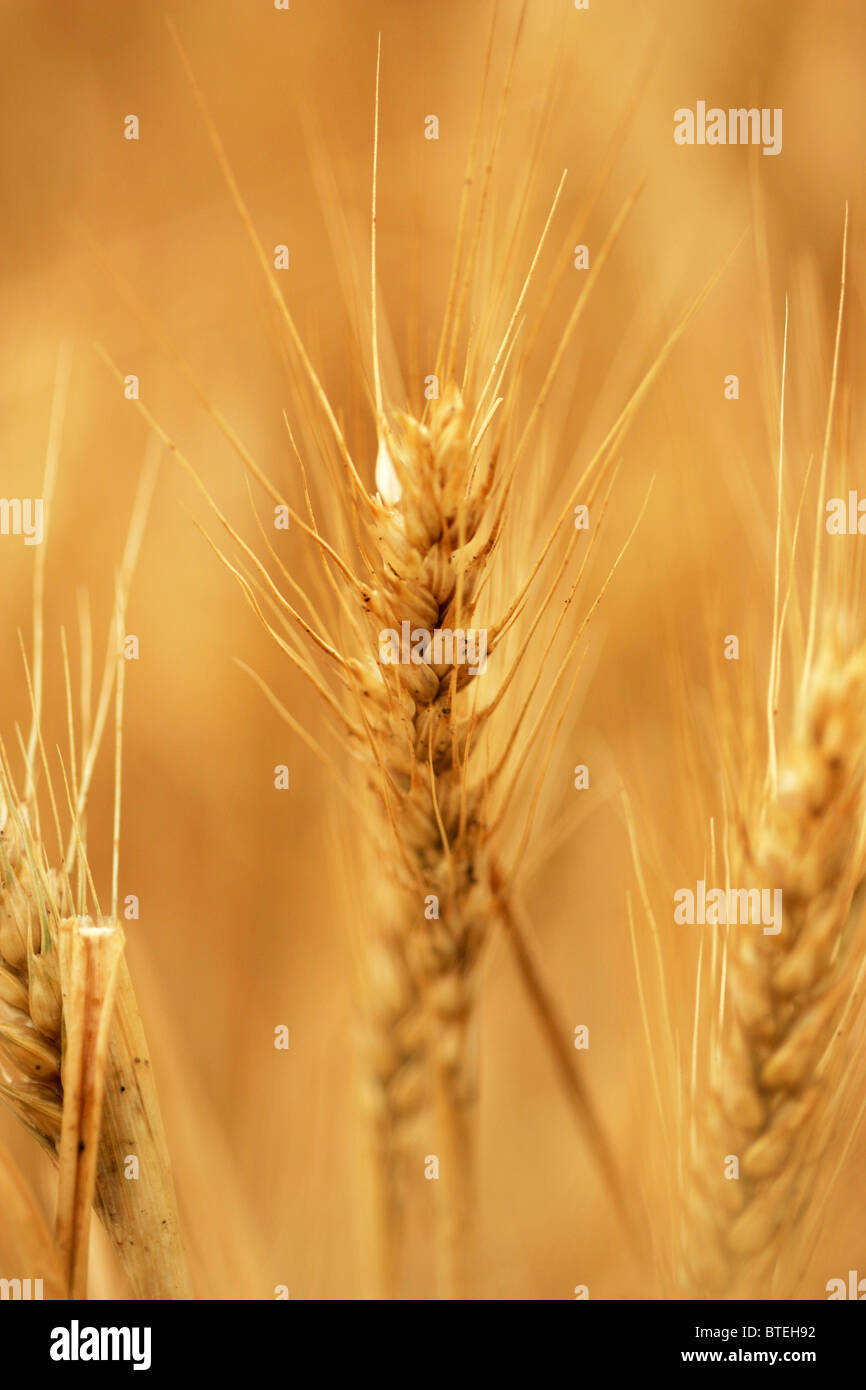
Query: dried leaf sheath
{"points": [[140, 1216], [89, 956]]}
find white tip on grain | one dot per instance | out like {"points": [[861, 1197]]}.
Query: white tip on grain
{"points": [[387, 482]]}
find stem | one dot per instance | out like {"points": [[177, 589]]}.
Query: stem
{"points": [[387, 1209], [555, 1034], [456, 1108]]}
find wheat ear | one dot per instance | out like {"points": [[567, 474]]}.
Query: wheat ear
{"points": [[36, 908], [779, 1008], [776, 1061], [68, 1012], [426, 540]]}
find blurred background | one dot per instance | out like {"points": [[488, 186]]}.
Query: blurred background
{"points": [[243, 897]]}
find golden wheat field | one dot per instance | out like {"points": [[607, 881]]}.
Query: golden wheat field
{"points": [[339, 960]]}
